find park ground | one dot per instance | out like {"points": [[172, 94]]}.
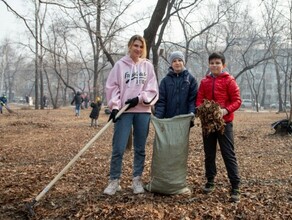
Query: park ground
{"points": [[37, 144]]}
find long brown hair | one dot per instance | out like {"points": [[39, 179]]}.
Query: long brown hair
{"points": [[140, 38]]}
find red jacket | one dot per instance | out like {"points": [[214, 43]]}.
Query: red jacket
{"points": [[224, 90]]}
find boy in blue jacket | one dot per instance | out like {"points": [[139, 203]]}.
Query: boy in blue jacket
{"points": [[177, 90]]}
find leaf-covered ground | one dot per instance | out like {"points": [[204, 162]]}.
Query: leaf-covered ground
{"points": [[37, 144]]}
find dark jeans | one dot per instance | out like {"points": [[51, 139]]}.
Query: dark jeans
{"points": [[226, 144]]}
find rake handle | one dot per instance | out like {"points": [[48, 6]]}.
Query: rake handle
{"points": [[49, 186]]}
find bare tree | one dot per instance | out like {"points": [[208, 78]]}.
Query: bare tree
{"points": [[163, 14], [59, 62], [37, 8], [155, 21], [290, 55], [11, 63], [4, 63], [274, 26], [86, 43]]}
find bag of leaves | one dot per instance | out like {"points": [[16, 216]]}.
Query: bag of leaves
{"points": [[170, 154]]}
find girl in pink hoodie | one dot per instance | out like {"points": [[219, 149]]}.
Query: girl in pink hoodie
{"points": [[131, 81]]}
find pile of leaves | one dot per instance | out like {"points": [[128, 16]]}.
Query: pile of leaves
{"points": [[211, 117], [37, 144]]}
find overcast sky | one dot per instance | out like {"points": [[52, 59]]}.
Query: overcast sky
{"points": [[10, 26], [14, 28]]}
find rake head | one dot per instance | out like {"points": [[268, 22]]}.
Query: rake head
{"points": [[29, 208]]}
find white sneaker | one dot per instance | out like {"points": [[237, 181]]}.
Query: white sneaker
{"points": [[113, 187], [137, 185]]}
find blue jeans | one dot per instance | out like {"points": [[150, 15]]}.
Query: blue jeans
{"points": [[140, 122], [77, 109]]}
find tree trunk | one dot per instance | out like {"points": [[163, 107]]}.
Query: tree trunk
{"points": [[97, 50], [279, 87], [151, 30], [36, 58]]}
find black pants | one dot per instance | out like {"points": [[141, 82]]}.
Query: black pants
{"points": [[226, 143]]}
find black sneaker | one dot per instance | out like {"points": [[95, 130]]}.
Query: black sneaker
{"points": [[234, 195], [209, 187]]}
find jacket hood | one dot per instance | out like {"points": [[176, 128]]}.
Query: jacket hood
{"points": [[128, 60]]}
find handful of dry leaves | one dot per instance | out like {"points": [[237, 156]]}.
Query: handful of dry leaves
{"points": [[211, 117]]}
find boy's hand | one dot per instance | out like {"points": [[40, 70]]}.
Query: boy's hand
{"points": [[224, 111]]}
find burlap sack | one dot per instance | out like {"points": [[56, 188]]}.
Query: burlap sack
{"points": [[170, 154]]}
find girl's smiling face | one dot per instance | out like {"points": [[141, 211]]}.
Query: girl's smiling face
{"points": [[216, 66], [136, 50]]}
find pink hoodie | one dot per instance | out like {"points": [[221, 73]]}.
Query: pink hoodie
{"points": [[128, 80]]}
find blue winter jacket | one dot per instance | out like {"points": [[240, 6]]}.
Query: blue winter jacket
{"points": [[177, 94], [3, 100]]}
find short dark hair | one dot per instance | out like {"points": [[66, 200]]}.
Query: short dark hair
{"points": [[217, 55]]}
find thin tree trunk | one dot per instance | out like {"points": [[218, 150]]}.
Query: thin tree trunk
{"points": [[36, 57]]}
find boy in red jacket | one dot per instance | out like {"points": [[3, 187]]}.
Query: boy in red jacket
{"points": [[221, 87]]}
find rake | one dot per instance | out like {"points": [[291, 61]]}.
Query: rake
{"points": [[8, 109], [29, 206]]}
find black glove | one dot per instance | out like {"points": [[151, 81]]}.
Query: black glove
{"points": [[133, 102], [113, 115]]}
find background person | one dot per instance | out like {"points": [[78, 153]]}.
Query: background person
{"points": [[3, 102], [26, 99], [94, 114], [45, 101], [131, 81], [78, 102], [86, 100]]}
